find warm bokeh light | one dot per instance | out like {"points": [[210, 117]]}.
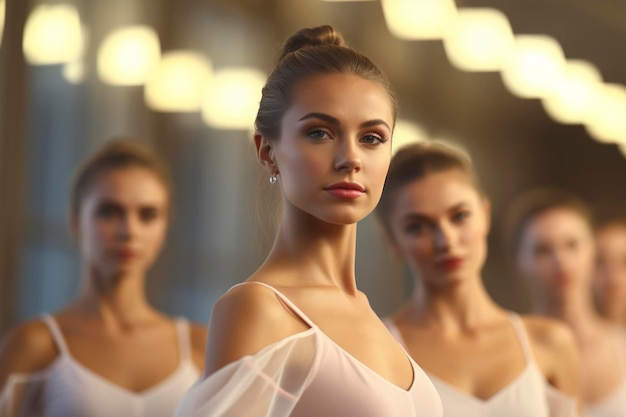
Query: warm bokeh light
{"points": [[128, 55], [2, 14], [573, 95], [52, 35], [232, 97], [419, 19], [479, 40], [607, 118], [74, 72], [406, 132], [178, 82], [536, 65]]}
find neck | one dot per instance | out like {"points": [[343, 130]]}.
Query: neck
{"points": [[574, 306], [454, 306], [116, 300], [321, 254]]}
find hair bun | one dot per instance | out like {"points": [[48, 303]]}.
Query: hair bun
{"points": [[320, 35]]}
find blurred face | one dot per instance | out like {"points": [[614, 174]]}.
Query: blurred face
{"points": [[556, 251], [122, 221], [610, 274], [439, 225], [335, 146]]}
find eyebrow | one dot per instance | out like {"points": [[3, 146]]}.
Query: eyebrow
{"points": [[333, 120]]}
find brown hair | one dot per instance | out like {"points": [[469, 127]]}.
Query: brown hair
{"points": [[116, 154], [535, 202], [416, 161], [310, 52], [608, 215]]}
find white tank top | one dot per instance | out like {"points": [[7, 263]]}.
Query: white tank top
{"points": [[614, 404], [68, 389], [528, 395], [306, 375]]}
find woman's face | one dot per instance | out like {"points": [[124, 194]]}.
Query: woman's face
{"points": [[556, 251], [122, 221], [610, 273], [334, 149], [439, 225]]}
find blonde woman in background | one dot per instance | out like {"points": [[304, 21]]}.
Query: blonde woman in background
{"points": [[554, 247], [609, 280], [109, 352], [484, 361]]}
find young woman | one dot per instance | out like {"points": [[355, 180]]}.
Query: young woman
{"points": [[554, 249], [483, 360], [609, 280], [108, 353], [298, 338]]}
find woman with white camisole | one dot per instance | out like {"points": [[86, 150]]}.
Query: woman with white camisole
{"points": [[552, 238], [109, 352], [483, 360], [298, 338]]}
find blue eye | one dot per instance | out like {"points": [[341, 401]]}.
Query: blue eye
{"points": [[372, 139], [318, 134], [414, 228], [460, 216]]}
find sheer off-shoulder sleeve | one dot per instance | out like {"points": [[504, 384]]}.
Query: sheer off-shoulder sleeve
{"points": [[267, 384], [22, 395], [560, 404]]}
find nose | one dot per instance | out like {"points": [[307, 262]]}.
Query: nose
{"points": [[444, 236], [348, 158], [127, 227]]}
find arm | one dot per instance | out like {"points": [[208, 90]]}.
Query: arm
{"points": [[244, 321], [556, 353], [243, 375], [25, 349]]}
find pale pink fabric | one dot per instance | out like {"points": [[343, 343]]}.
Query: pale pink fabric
{"points": [[529, 395], [614, 404], [306, 375], [68, 389]]}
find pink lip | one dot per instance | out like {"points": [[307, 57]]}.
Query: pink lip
{"points": [[346, 189], [125, 254], [450, 264]]}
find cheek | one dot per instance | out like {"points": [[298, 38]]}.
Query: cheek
{"points": [[417, 250]]}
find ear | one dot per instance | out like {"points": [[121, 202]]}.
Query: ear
{"points": [[265, 152]]}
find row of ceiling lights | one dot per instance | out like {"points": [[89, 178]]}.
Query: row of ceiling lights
{"points": [[474, 39], [531, 66]]}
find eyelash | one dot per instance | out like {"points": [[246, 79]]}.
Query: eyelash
{"points": [[321, 134]]}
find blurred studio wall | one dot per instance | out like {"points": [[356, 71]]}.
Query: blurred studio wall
{"points": [[533, 90]]}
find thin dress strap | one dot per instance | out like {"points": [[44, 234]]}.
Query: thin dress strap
{"points": [[284, 299], [183, 333], [522, 336], [57, 336]]}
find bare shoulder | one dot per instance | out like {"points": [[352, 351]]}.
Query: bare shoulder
{"points": [[246, 319], [28, 347], [555, 351], [548, 333]]}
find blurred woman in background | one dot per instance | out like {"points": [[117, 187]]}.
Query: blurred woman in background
{"points": [[609, 280], [483, 360], [554, 250], [109, 352]]}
